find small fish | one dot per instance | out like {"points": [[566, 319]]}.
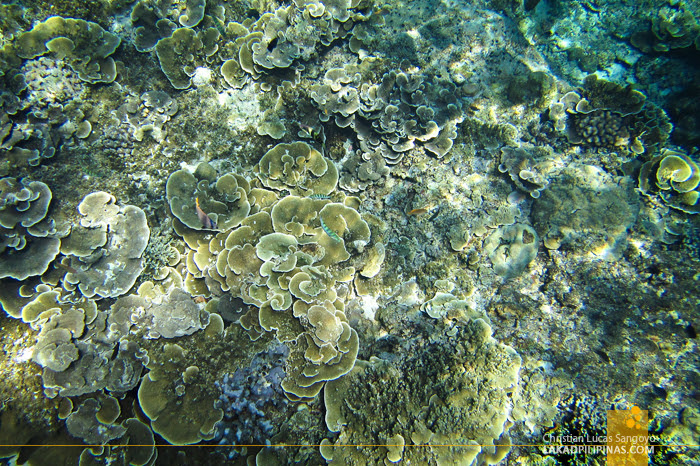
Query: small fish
{"points": [[207, 222], [317, 135], [330, 232], [219, 24], [310, 132], [419, 211], [321, 197], [67, 268]]}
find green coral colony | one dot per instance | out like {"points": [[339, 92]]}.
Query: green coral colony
{"points": [[359, 226]]}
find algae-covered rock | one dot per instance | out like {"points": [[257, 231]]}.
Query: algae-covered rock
{"points": [[84, 45], [453, 393]]}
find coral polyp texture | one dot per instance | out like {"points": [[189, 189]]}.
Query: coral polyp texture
{"points": [[347, 232], [467, 379]]}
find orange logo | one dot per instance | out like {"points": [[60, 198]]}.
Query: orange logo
{"points": [[628, 437]]}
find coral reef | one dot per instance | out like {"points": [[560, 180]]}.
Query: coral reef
{"points": [[287, 259], [675, 176], [201, 197], [394, 113], [435, 232], [440, 395], [104, 251], [605, 209], [29, 241], [253, 400], [84, 45]]}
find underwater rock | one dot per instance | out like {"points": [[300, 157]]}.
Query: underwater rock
{"points": [[587, 211], [464, 380]]}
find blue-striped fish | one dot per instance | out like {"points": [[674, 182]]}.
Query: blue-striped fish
{"points": [[321, 197], [330, 232]]}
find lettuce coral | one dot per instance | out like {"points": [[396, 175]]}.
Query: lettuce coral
{"points": [[85, 45]]}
